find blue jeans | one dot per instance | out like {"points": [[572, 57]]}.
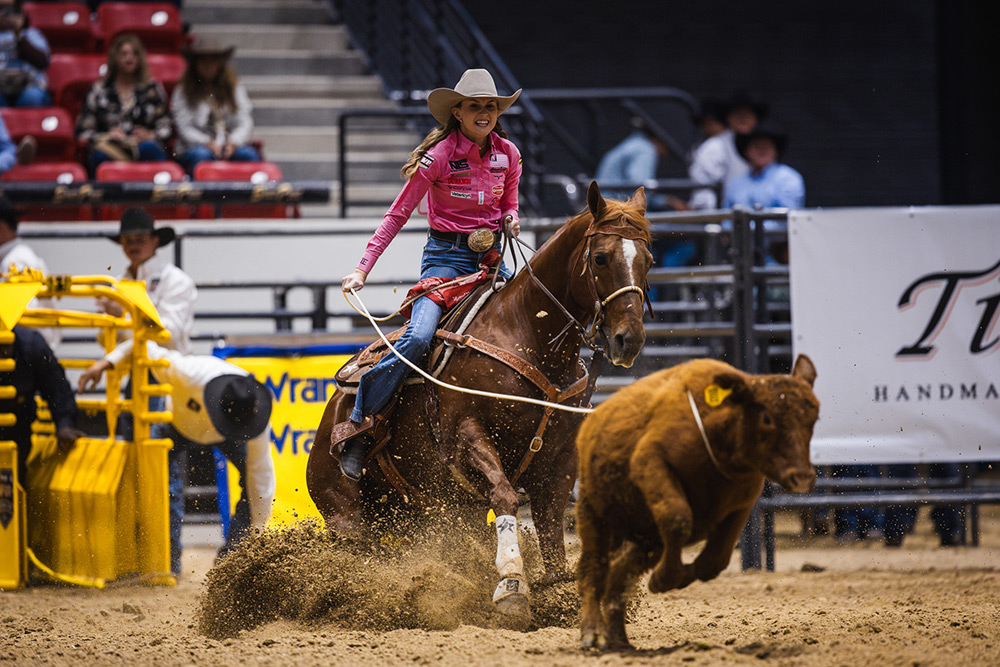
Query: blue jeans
{"points": [[32, 96], [948, 521], [191, 158], [379, 384], [236, 453]]}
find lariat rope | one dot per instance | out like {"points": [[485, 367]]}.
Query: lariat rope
{"points": [[704, 435], [361, 309]]}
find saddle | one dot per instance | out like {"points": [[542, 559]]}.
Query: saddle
{"points": [[454, 321]]}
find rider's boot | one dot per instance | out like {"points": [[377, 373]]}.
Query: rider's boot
{"points": [[352, 458]]}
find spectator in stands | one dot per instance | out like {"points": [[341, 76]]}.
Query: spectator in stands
{"points": [[215, 404], [468, 147], [36, 371], [768, 183], [632, 162], [716, 160], [15, 252], [10, 155], [125, 114], [211, 108], [24, 57], [711, 117]]}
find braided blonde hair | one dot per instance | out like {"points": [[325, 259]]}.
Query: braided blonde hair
{"points": [[434, 137]]}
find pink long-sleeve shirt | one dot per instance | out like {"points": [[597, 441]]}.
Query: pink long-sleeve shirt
{"points": [[466, 191]]}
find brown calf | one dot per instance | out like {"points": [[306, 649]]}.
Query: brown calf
{"points": [[679, 457]]}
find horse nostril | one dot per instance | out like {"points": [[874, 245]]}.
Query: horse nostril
{"points": [[620, 341]]}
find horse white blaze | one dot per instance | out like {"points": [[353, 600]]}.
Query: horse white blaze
{"points": [[630, 252], [508, 553]]}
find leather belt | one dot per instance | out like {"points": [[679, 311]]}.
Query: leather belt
{"points": [[460, 238]]}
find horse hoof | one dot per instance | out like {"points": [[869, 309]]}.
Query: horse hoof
{"points": [[511, 601]]}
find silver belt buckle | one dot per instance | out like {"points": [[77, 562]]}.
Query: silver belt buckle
{"points": [[481, 240]]}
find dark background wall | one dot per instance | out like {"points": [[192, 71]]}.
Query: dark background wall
{"points": [[884, 100]]}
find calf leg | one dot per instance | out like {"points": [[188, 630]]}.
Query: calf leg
{"points": [[626, 567], [664, 495], [592, 574], [718, 550]]}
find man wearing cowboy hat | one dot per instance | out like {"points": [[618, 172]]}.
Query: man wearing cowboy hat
{"points": [[215, 404], [768, 183], [211, 108], [170, 289]]}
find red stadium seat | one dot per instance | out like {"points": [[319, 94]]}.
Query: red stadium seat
{"points": [[70, 77], [52, 127], [63, 173], [157, 24], [167, 68], [255, 172], [66, 25], [156, 172]]}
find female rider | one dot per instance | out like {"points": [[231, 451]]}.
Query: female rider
{"points": [[470, 171]]}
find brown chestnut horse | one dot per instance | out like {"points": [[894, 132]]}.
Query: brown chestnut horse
{"points": [[475, 450]]}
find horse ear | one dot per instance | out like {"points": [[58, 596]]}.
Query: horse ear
{"points": [[595, 201], [804, 369], [639, 199]]}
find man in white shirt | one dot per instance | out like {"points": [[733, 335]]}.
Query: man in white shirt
{"points": [[15, 252], [215, 404]]}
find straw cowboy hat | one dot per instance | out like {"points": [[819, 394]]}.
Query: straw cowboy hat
{"points": [[138, 221], [207, 47], [238, 406], [474, 83]]}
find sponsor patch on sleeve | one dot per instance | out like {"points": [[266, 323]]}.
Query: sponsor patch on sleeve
{"points": [[425, 161]]}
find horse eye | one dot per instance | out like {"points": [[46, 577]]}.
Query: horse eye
{"points": [[600, 259]]}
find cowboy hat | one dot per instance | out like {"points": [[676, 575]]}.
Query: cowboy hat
{"points": [[203, 45], [779, 138], [474, 83], [238, 406], [138, 221]]}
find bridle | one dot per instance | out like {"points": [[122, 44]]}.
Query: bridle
{"points": [[588, 332]]}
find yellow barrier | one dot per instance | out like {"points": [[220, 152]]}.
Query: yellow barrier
{"points": [[100, 511]]}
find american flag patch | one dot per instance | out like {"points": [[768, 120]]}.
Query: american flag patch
{"points": [[425, 161], [499, 160]]}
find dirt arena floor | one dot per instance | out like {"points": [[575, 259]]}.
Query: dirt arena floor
{"points": [[828, 604]]}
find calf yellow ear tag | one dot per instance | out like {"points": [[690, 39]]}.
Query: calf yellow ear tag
{"points": [[491, 518], [715, 395]]}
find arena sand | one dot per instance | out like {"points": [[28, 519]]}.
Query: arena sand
{"points": [[299, 598]]}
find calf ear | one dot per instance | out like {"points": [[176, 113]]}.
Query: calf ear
{"points": [[741, 392], [804, 369]]}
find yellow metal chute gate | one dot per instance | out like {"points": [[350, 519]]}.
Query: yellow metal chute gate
{"points": [[100, 511]]}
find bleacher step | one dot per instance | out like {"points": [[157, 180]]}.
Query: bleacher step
{"points": [[312, 139], [300, 12], [328, 38], [319, 111], [298, 88], [256, 62]]}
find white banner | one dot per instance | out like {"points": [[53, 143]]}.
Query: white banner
{"points": [[898, 309]]}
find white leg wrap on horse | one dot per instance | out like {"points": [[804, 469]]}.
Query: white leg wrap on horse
{"points": [[508, 554]]}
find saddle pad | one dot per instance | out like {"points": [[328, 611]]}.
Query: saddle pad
{"points": [[455, 320]]}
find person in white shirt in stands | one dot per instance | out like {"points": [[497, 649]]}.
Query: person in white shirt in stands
{"points": [[15, 252], [215, 404]]}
